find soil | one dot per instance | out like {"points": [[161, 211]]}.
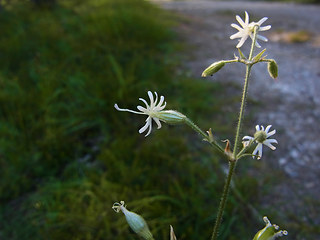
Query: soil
{"points": [[291, 103]]}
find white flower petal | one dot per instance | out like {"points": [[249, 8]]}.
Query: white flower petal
{"points": [[247, 138], [142, 109], [126, 110], [262, 20], [268, 128], [151, 98], [265, 28], [240, 21], [262, 38], [258, 45], [271, 133], [257, 127], [268, 143], [148, 124], [236, 35], [246, 20], [157, 122], [241, 42], [236, 27], [145, 102]]}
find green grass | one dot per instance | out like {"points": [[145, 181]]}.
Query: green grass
{"points": [[67, 155]]}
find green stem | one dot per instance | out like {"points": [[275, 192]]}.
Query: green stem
{"points": [[232, 164], [223, 200], [206, 137]]}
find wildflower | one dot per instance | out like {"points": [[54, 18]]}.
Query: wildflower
{"points": [[155, 112], [269, 232], [248, 29], [135, 221], [261, 137]]}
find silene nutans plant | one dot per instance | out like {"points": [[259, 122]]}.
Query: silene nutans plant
{"points": [[155, 111]]}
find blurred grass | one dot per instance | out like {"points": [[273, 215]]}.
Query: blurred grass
{"points": [[67, 155]]}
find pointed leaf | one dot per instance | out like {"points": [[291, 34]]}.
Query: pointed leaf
{"points": [[259, 55], [242, 56]]}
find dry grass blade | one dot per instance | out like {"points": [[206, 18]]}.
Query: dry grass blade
{"points": [[172, 236]]}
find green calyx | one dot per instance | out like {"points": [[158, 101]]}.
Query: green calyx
{"points": [[260, 136]]}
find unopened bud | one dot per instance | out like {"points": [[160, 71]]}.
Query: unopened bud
{"points": [[269, 232], [213, 68], [171, 117], [135, 221], [273, 69]]}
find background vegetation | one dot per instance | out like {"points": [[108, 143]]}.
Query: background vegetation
{"points": [[66, 155]]}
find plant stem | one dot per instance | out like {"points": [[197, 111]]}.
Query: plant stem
{"points": [[232, 164], [223, 200], [206, 137]]}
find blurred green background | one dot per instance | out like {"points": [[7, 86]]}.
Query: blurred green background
{"points": [[66, 155]]}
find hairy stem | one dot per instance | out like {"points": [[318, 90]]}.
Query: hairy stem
{"points": [[232, 164]]}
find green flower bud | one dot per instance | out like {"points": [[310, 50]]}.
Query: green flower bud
{"points": [[213, 68], [273, 69], [269, 232], [135, 221], [170, 117]]}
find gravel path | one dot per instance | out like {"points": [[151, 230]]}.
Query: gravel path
{"points": [[291, 103]]}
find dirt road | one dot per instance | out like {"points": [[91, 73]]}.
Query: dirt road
{"points": [[291, 103]]}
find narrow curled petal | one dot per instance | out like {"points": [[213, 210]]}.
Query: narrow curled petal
{"points": [[145, 102], [269, 142], [247, 138], [262, 20], [262, 38], [246, 17], [265, 28], [258, 150], [268, 128], [151, 98], [157, 122], [236, 26], [242, 40], [147, 125], [240, 21], [271, 133], [125, 110], [236, 35]]}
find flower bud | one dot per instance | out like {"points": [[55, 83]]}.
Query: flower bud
{"points": [[269, 232], [135, 221], [213, 68], [170, 117], [273, 69]]}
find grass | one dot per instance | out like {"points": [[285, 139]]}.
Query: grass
{"points": [[67, 155]]}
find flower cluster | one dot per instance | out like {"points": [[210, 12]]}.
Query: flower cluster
{"points": [[246, 30]]}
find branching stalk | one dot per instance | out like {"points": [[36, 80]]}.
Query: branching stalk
{"points": [[232, 164]]}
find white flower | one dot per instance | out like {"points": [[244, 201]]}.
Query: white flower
{"points": [[149, 110], [247, 30], [155, 112], [261, 137]]}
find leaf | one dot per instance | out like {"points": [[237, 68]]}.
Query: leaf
{"points": [[259, 55], [242, 56]]}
